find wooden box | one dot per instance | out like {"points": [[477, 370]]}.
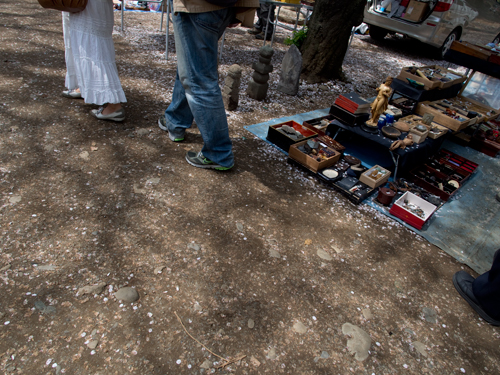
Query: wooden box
{"points": [[320, 123], [438, 131], [436, 82], [485, 112], [419, 136], [382, 176], [284, 141], [429, 84], [454, 124], [311, 162], [414, 120], [401, 210]]}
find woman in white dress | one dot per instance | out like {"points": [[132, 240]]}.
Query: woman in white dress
{"points": [[90, 60]]}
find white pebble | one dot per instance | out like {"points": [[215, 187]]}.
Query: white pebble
{"points": [[178, 361], [48, 361], [462, 369], [7, 322], [84, 334], [54, 365]]}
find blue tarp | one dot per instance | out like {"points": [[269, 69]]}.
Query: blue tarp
{"points": [[468, 226]]}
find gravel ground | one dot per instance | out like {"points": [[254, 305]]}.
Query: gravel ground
{"points": [[263, 265]]}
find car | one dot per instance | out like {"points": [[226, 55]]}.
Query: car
{"points": [[437, 23]]}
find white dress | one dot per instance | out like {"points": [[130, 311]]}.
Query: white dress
{"points": [[93, 54]]}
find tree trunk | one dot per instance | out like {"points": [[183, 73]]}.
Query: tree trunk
{"points": [[327, 38]]}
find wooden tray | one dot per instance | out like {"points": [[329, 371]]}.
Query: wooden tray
{"points": [[471, 50], [442, 119]]}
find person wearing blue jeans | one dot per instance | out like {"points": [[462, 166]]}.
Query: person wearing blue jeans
{"points": [[198, 25], [483, 292]]}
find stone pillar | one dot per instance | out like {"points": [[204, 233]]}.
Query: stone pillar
{"points": [[290, 71], [257, 87], [231, 89]]}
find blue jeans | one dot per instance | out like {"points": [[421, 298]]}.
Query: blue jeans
{"points": [[197, 94]]}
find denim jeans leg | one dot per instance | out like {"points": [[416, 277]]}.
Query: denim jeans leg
{"points": [[178, 115], [196, 91]]}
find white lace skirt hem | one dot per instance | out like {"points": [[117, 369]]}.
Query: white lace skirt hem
{"points": [[94, 53]]}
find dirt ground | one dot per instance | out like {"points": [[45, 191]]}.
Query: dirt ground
{"points": [[262, 264]]}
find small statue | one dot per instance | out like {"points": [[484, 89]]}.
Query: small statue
{"points": [[231, 89], [381, 102], [408, 141]]}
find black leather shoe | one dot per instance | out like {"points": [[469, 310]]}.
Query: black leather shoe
{"points": [[261, 37], [254, 31], [463, 284]]}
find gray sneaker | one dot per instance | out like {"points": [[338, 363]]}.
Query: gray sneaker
{"points": [[117, 116], [196, 159], [162, 123]]}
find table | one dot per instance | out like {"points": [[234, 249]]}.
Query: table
{"points": [[405, 159], [276, 23], [474, 57]]}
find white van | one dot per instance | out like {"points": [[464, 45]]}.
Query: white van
{"points": [[434, 22]]}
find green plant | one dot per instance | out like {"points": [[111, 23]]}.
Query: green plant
{"points": [[297, 38]]}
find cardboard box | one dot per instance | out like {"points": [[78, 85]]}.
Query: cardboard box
{"points": [[441, 118], [382, 178], [415, 10], [311, 162], [283, 141], [247, 18], [400, 210]]}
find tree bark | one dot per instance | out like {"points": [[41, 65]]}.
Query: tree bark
{"points": [[327, 38]]}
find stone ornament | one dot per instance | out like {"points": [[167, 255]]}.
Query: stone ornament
{"points": [[291, 67], [257, 87], [231, 89]]}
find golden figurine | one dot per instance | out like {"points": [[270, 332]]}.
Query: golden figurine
{"points": [[381, 102]]}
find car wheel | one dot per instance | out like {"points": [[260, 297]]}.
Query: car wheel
{"points": [[497, 39], [447, 44], [377, 33]]}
